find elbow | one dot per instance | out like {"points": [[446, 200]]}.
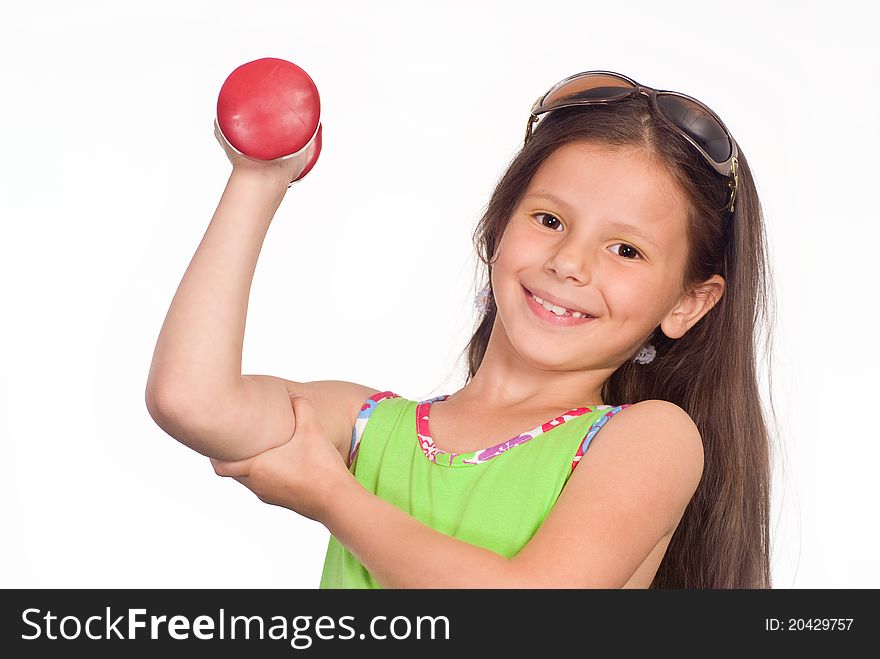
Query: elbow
{"points": [[171, 402], [164, 412], [162, 404], [180, 421]]}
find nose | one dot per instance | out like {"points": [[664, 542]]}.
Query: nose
{"points": [[571, 260]]}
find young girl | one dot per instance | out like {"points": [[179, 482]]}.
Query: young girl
{"points": [[625, 265]]}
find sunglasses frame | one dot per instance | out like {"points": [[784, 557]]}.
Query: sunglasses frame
{"points": [[729, 168]]}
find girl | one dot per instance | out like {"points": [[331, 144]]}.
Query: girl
{"points": [[625, 264]]}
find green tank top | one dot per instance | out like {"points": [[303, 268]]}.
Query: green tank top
{"points": [[494, 498]]}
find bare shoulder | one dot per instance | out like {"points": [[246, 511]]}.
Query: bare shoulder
{"points": [[665, 413], [337, 402], [663, 430], [666, 421], [622, 502]]}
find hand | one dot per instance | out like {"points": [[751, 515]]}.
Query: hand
{"points": [[302, 475], [286, 168]]}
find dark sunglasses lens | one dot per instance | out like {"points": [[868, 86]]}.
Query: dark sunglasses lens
{"points": [[588, 87], [699, 125]]}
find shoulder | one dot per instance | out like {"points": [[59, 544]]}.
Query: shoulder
{"points": [[655, 431], [660, 426], [628, 493], [667, 416]]}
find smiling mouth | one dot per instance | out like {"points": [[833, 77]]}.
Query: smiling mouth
{"points": [[550, 317], [556, 309]]}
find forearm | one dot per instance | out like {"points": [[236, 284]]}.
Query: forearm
{"points": [[197, 359], [402, 552]]}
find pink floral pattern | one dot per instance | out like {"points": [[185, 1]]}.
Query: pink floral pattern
{"points": [[451, 459], [598, 423], [363, 416]]}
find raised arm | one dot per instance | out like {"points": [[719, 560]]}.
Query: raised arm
{"points": [[195, 390]]}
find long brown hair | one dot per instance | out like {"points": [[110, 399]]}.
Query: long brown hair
{"points": [[722, 540]]}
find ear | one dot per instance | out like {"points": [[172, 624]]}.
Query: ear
{"points": [[692, 306]]}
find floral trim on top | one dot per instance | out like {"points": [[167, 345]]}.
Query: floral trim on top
{"points": [[363, 416], [598, 423], [451, 459]]}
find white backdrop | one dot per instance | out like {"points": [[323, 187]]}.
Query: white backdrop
{"points": [[110, 175]]}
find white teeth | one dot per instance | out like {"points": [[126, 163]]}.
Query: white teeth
{"points": [[559, 311]]}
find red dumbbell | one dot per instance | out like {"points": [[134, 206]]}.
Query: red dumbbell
{"points": [[269, 109]]}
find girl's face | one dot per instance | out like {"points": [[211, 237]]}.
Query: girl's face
{"points": [[575, 246]]}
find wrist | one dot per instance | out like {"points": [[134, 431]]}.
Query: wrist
{"points": [[340, 494], [266, 179]]}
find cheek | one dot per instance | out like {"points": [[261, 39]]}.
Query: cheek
{"points": [[508, 254], [634, 299], [516, 247]]}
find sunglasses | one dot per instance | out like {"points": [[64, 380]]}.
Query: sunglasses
{"points": [[695, 121]]}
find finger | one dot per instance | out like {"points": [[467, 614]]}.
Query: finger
{"points": [[217, 133], [221, 138], [237, 468], [303, 411]]}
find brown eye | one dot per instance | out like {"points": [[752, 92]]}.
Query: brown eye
{"points": [[630, 250], [552, 217]]}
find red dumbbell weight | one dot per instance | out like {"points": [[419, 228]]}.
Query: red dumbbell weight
{"points": [[269, 109]]}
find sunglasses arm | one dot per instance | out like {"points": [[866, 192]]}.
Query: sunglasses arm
{"points": [[734, 182], [532, 119]]}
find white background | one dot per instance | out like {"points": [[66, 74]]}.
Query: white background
{"points": [[110, 175]]}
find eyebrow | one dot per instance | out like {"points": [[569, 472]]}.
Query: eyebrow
{"points": [[625, 226]]}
